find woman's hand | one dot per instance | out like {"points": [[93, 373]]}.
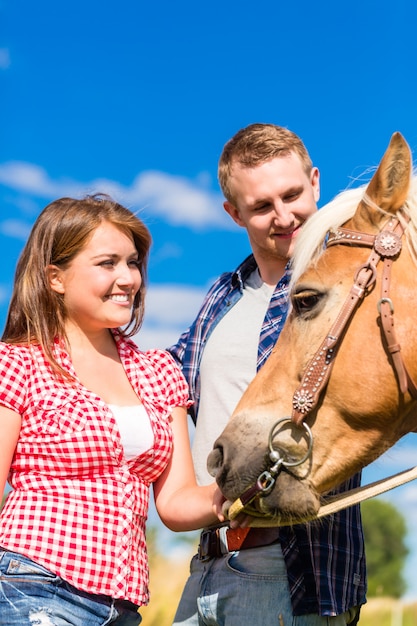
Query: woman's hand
{"points": [[218, 502], [242, 520]]}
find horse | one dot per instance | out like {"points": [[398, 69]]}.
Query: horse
{"points": [[338, 389]]}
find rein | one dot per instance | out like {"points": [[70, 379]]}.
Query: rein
{"points": [[386, 247]]}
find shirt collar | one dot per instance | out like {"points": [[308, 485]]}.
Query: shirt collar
{"points": [[249, 265]]}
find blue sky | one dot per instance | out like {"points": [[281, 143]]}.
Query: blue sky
{"points": [[137, 99]]}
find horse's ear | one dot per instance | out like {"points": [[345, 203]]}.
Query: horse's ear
{"points": [[389, 186]]}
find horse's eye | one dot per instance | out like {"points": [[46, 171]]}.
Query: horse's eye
{"points": [[305, 302]]}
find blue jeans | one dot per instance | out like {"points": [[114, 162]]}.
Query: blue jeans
{"points": [[246, 587], [32, 595]]}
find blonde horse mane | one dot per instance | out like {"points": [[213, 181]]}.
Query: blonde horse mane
{"points": [[309, 243]]}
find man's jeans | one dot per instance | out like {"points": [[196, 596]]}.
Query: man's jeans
{"points": [[31, 595], [247, 587]]}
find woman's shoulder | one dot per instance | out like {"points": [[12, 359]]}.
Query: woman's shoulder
{"points": [[158, 357], [19, 357], [15, 350], [158, 353], [155, 357], [160, 370], [14, 368], [151, 354]]}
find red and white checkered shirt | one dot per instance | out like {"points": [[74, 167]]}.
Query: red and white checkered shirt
{"points": [[78, 507]]}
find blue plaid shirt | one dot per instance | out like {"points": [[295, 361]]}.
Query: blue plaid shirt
{"points": [[325, 560]]}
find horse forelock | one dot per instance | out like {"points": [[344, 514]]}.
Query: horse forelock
{"points": [[310, 242], [410, 209]]}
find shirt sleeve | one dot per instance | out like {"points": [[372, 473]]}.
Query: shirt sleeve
{"points": [[12, 378], [171, 379]]}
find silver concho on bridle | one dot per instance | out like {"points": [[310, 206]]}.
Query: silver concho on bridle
{"points": [[387, 243], [303, 401]]}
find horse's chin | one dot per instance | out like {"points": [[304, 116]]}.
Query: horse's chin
{"points": [[288, 513], [290, 502]]}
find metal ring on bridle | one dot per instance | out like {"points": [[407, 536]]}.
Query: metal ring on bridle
{"points": [[267, 479], [385, 301], [273, 453]]}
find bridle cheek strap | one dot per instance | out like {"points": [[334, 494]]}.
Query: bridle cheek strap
{"points": [[386, 312], [386, 246]]}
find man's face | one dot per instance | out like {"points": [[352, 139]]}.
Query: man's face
{"points": [[272, 201]]}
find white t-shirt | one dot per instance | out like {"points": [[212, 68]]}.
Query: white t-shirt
{"points": [[227, 367]]}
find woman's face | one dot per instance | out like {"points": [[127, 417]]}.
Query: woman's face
{"points": [[100, 284]]}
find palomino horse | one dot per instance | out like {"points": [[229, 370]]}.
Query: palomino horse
{"points": [[337, 390]]}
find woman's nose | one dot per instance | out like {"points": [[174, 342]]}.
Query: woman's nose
{"points": [[126, 275]]}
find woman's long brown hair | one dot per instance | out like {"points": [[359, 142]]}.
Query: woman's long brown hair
{"points": [[36, 313]]}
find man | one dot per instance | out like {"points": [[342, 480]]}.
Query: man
{"points": [[305, 575]]}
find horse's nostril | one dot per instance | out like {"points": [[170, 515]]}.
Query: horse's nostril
{"points": [[215, 460]]}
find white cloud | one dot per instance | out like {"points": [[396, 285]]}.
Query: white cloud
{"points": [[15, 228], [170, 309], [178, 200], [158, 337], [4, 294], [32, 179], [173, 304], [168, 250]]}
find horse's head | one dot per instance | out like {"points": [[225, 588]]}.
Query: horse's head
{"points": [[341, 372]]}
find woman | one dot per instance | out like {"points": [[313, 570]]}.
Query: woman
{"points": [[87, 423]]}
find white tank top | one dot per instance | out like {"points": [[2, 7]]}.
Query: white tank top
{"points": [[135, 429]]}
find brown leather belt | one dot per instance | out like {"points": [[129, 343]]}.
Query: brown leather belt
{"points": [[216, 542]]}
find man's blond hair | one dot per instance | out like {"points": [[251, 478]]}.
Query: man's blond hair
{"points": [[255, 144]]}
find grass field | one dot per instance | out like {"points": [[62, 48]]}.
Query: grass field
{"points": [[388, 612]]}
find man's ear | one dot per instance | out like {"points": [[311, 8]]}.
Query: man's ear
{"points": [[54, 276], [315, 183], [233, 212]]}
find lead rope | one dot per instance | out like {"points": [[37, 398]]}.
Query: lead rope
{"points": [[334, 504], [355, 496]]}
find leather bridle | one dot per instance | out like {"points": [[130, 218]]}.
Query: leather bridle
{"points": [[386, 247]]}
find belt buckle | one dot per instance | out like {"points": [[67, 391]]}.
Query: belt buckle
{"points": [[222, 535], [204, 546]]}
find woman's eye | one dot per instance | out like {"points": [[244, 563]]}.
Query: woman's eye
{"points": [[134, 263]]}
